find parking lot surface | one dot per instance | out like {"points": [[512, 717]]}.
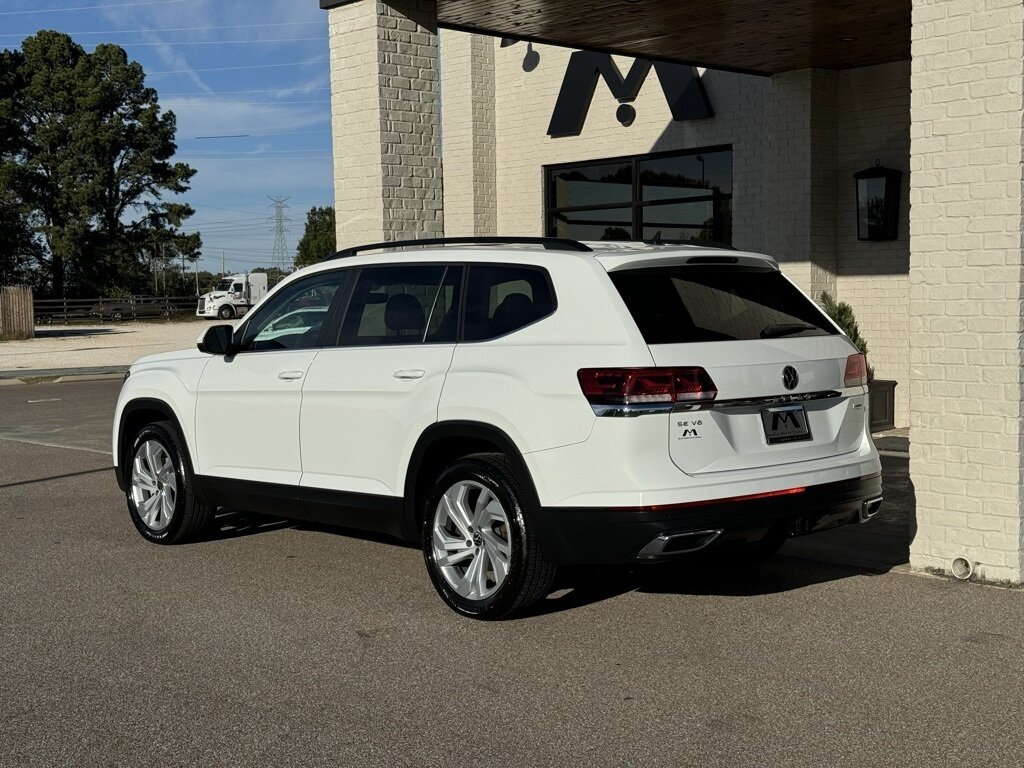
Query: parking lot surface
{"points": [[278, 644]]}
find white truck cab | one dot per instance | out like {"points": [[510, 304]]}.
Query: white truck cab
{"points": [[234, 296]]}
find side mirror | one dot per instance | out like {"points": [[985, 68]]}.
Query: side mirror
{"points": [[216, 340]]}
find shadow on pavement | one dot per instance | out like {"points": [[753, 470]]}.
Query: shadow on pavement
{"points": [[68, 333], [869, 549]]}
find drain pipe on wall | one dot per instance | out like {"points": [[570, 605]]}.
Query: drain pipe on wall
{"points": [[962, 568]]}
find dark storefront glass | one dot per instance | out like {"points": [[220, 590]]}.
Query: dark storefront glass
{"points": [[682, 195]]}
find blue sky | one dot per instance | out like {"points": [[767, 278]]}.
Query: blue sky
{"points": [[257, 70]]}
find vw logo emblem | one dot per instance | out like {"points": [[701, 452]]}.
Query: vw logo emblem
{"points": [[790, 378]]}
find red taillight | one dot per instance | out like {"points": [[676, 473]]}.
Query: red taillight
{"points": [[856, 371], [633, 386]]}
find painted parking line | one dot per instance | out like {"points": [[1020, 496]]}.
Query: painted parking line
{"points": [[54, 445]]}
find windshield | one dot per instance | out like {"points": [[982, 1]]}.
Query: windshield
{"points": [[689, 303], [223, 285]]}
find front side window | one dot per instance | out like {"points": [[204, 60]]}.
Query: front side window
{"points": [[408, 304], [682, 195], [501, 299], [294, 317]]}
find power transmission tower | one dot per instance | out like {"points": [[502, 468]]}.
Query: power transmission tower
{"points": [[280, 219]]}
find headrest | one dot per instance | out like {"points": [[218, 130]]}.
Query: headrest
{"points": [[403, 312], [515, 311]]}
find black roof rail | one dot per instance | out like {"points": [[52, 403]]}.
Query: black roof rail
{"points": [[550, 243]]}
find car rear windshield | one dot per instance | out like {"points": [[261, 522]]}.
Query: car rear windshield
{"points": [[696, 303]]}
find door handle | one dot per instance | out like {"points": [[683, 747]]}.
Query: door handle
{"points": [[409, 374], [289, 375]]}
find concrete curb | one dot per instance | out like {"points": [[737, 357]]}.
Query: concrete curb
{"points": [[60, 375]]}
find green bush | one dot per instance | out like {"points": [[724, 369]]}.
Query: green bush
{"points": [[842, 315]]}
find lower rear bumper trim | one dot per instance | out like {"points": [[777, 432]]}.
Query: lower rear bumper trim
{"points": [[599, 535]]}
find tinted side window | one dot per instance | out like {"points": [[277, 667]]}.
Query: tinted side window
{"points": [[293, 318], [406, 304], [684, 304], [502, 299]]}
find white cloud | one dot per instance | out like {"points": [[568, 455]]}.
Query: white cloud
{"points": [[198, 116]]}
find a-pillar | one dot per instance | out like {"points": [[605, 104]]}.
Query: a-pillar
{"points": [[386, 120], [966, 298]]}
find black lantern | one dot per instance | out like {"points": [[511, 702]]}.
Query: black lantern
{"points": [[878, 203]]}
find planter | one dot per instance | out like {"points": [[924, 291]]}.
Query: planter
{"points": [[882, 404]]}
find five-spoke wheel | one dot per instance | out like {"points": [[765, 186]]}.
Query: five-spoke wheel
{"points": [[479, 541], [160, 487], [154, 486]]}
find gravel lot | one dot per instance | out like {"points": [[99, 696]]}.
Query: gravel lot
{"points": [[88, 346]]}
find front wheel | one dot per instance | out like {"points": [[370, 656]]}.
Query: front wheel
{"points": [[160, 487], [226, 312], [479, 540]]}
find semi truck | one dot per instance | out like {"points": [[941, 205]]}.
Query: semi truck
{"points": [[234, 296]]}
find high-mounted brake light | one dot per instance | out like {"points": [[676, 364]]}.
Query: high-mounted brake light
{"points": [[646, 386], [856, 371]]}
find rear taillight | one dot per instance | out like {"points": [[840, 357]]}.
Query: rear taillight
{"points": [[646, 386], [856, 371]]}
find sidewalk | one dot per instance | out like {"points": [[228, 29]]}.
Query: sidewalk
{"points": [[106, 348]]}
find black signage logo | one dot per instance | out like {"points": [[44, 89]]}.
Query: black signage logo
{"points": [[681, 83], [787, 419]]}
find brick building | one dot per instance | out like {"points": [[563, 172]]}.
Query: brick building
{"points": [[463, 117]]}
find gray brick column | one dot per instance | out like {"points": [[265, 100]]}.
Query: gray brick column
{"points": [[386, 121], [966, 298]]}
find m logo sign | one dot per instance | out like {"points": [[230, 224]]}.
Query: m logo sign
{"points": [[682, 85]]}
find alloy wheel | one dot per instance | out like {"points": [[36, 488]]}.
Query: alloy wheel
{"points": [[471, 540], [154, 485]]}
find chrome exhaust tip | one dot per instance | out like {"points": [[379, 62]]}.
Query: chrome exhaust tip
{"points": [[666, 544], [870, 508]]}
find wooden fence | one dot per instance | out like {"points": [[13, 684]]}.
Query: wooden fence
{"points": [[107, 309], [17, 320]]}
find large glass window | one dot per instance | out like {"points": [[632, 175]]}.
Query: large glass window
{"points": [[683, 195]]}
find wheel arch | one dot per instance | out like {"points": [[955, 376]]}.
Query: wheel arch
{"points": [[135, 414], [444, 442]]}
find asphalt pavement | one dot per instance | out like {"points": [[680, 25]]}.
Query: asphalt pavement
{"points": [[279, 644]]}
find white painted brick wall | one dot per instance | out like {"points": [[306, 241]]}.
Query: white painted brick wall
{"points": [[965, 339], [874, 124], [469, 136]]}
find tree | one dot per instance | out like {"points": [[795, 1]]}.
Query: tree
{"points": [[319, 239], [86, 151]]}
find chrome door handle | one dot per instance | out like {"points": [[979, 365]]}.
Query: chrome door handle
{"points": [[289, 375], [410, 373]]}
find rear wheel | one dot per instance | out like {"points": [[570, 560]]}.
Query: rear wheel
{"points": [[160, 487], [479, 540]]}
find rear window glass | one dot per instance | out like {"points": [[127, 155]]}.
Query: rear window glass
{"points": [[687, 304]]}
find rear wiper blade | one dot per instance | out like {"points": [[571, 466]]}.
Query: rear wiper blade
{"points": [[786, 329]]}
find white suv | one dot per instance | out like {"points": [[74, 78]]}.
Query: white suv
{"points": [[514, 405]]}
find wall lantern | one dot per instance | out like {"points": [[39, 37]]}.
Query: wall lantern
{"points": [[878, 202]]}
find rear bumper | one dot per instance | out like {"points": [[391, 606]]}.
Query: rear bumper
{"points": [[588, 535]]}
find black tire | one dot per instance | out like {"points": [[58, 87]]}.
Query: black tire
{"points": [[191, 517], [226, 312], [529, 576], [115, 316]]}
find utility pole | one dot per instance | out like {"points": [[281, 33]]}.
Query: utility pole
{"points": [[280, 219], [223, 269]]}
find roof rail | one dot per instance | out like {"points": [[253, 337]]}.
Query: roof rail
{"points": [[551, 243]]}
